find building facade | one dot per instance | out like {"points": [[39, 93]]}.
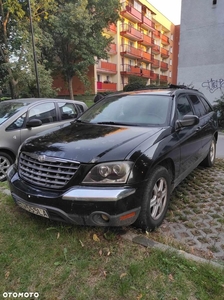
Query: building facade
{"points": [[201, 59], [145, 44]]}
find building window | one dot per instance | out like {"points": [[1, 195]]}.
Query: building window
{"points": [[214, 2]]}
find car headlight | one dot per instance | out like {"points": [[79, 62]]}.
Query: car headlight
{"points": [[107, 173]]}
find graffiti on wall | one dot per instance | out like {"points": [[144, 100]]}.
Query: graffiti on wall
{"points": [[213, 84]]}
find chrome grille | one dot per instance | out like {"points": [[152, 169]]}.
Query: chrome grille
{"points": [[45, 171]]}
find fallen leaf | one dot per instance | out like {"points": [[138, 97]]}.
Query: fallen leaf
{"points": [[81, 243], [123, 275], [171, 277], [139, 297], [7, 274], [95, 238], [100, 252], [58, 235]]}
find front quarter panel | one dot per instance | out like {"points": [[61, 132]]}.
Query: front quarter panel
{"points": [[166, 148]]}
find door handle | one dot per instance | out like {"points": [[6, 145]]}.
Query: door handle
{"points": [[198, 128]]}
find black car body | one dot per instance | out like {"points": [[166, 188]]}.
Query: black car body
{"points": [[119, 162]]}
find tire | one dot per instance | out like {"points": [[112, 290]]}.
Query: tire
{"points": [[209, 161], [5, 162], [155, 201]]}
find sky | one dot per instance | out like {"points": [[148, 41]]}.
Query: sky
{"points": [[169, 8]]}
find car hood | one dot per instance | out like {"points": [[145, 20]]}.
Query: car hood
{"points": [[92, 142]]}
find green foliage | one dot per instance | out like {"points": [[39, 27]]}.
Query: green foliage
{"points": [[135, 83], [16, 54], [219, 108], [75, 33]]}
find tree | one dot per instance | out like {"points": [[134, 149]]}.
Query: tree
{"points": [[16, 59], [75, 32], [219, 108]]}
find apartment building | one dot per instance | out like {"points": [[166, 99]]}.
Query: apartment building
{"points": [[201, 59], [145, 44]]}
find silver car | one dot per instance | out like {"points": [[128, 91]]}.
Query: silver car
{"points": [[22, 118]]}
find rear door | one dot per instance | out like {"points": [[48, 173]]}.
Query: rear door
{"points": [[205, 114], [189, 137]]}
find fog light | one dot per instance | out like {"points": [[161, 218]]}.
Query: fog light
{"points": [[105, 218]]}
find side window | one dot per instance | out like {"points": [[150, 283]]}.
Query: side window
{"points": [[183, 107], [68, 111], [206, 105], [45, 112], [198, 106], [18, 123], [80, 107]]}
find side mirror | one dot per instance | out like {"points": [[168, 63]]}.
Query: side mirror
{"points": [[33, 123], [187, 121]]}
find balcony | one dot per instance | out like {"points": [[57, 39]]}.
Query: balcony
{"points": [[164, 52], [129, 51], [156, 34], [163, 66], [136, 71], [147, 24], [147, 73], [147, 40], [146, 57], [163, 78], [103, 87], [106, 67], [130, 32], [164, 39], [155, 63], [113, 49], [112, 29], [155, 77], [131, 13], [156, 49]]}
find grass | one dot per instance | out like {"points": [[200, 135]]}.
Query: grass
{"points": [[64, 262]]}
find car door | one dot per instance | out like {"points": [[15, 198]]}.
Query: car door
{"points": [[189, 137], [46, 113], [205, 114]]}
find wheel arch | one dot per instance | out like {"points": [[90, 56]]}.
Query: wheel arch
{"points": [[10, 153]]}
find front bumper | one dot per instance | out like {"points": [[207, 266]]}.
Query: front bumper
{"points": [[93, 206]]}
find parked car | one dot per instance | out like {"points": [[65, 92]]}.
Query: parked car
{"points": [[22, 118], [118, 163]]}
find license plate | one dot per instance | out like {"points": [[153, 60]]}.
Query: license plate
{"points": [[33, 209]]}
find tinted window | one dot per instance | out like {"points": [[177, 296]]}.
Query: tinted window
{"points": [[206, 105], [45, 112], [183, 107], [198, 106]]}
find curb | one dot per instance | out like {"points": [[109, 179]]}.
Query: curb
{"points": [[144, 241]]}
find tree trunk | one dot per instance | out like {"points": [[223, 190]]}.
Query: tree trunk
{"points": [[70, 87]]}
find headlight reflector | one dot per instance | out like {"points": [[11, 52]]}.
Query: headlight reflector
{"points": [[107, 173]]}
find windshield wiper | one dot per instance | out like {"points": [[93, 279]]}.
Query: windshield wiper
{"points": [[116, 123]]}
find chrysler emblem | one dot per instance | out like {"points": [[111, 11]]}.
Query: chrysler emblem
{"points": [[41, 158]]}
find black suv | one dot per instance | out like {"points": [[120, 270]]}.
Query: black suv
{"points": [[119, 162]]}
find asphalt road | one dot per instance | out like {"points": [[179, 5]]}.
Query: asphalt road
{"points": [[220, 146]]}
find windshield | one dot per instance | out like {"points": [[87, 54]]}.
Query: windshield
{"points": [[8, 109], [133, 110]]}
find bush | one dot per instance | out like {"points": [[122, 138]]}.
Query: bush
{"points": [[219, 108]]}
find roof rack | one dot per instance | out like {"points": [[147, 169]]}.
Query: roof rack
{"points": [[175, 86]]}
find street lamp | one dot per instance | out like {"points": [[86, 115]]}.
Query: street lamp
{"points": [[34, 51]]}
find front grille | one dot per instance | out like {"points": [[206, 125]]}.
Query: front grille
{"points": [[45, 171]]}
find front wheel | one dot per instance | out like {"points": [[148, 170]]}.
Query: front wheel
{"points": [[155, 202], [5, 162]]}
